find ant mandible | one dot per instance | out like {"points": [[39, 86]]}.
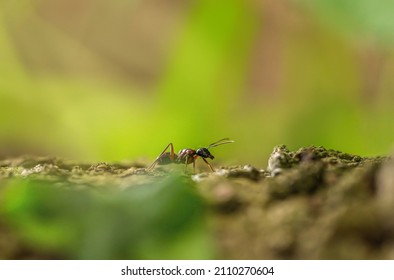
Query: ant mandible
{"points": [[187, 156]]}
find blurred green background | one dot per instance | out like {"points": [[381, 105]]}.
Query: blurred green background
{"points": [[113, 80]]}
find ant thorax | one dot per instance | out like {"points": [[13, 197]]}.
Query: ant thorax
{"points": [[186, 154]]}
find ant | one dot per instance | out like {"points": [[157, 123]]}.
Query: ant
{"points": [[187, 155]]}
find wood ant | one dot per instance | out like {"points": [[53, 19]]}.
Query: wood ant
{"points": [[187, 156]]}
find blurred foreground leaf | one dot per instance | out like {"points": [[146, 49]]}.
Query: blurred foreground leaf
{"points": [[162, 220]]}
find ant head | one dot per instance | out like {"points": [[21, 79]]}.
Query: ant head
{"points": [[204, 153]]}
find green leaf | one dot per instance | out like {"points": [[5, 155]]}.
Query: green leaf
{"points": [[159, 220]]}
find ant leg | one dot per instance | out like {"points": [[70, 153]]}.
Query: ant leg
{"points": [[186, 160], [213, 170], [194, 164], [172, 156]]}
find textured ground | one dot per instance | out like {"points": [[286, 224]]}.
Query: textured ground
{"points": [[312, 203]]}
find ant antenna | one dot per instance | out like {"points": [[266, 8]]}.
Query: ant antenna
{"points": [[221, 142]]}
